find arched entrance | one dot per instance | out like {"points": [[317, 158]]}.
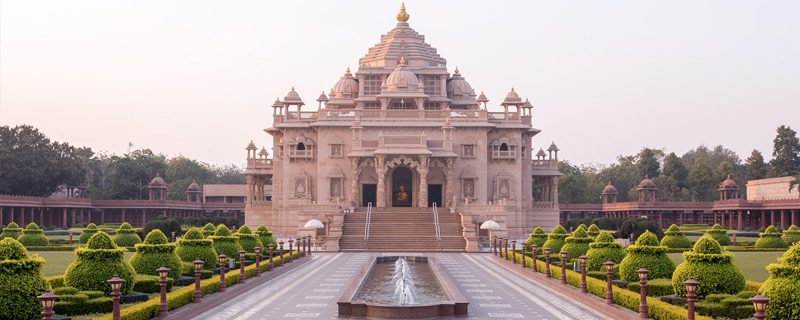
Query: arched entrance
{"points": [[402, 189]]}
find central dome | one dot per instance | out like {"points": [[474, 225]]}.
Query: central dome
{"points": [[402, 77], [458, 88], [346, 87]]}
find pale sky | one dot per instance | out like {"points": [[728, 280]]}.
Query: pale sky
{"points": [[605, 77]]}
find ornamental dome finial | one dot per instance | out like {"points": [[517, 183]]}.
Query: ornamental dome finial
{"points": [[348, 69], [402, 60], [403, 16], [456, 69]]}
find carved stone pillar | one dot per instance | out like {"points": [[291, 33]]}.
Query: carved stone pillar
{"points": [[250, 191], [448, 189], [555, 190], [423, 180], [380, 168], [354, 173]]}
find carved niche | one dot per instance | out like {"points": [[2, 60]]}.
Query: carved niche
{"points": [[469, 180], [336, 181], [468, 148], [301, 185], [503, 186], [337, 146]]}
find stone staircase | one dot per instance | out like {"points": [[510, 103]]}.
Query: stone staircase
{"points": [[401, 229]]}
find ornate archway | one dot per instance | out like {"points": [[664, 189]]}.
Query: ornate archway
{"points": [[402, 187]]}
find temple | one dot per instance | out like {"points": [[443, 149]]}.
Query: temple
{"points": [[406, 150]]}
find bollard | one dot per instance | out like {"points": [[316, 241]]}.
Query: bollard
{"points": [[222, 259], [494, 245], [610, 275], [524, 250], [48, 300], [116, 283], [760, 304], [70, 238], [271, 246], [163, 309], [280, 252], [198, 294], [564, 266], [547, 262], [691, 288], [734, 240], [242, 278], [513, 251], [643, 289], [290, 250], [258, 261], [583, 273]]}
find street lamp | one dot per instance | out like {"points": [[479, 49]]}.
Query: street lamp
{"points": [[524, 251], [643, 289], [547, 262], [162, 307], [198, 295], [258, 261], [173, 236], [691, 288], [610, 275], [734, 239], [513, 251], [280, 252], [48, 299], [271, 247], [494, 245], [534, 247], [222, 259], [564, 254], [583, 273], [242, 278], [115, 283], [760, 304]]}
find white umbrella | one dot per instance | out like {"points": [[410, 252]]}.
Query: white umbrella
{"points": [[314, 224], [490, 225]]}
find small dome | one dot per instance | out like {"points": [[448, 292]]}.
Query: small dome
{"points": [[647, 184], [512, 94], [277, 103], [458, 88], [251, 146], [157, 182], [728, 184], [553, 147], [346, 87], [482, 98], [402, 77], [609, 189], [541, 153], [263, 152], [512, 97], [322, 97], [527, 104], [292, 96], [194, 186]]}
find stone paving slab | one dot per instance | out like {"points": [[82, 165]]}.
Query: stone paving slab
{"points": [[310, 291]]}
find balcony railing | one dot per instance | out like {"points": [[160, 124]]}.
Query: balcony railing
{"points": [[388, 114], [544, 164]]}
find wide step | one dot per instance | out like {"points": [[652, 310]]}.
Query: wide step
{"points": [[401, 229]]}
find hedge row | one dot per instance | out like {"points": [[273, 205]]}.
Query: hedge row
{"points": [[185, 295], [52, 248], [656, 309]]}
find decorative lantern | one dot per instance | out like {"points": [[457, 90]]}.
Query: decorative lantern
{"points": [[48, 300], [760, 304], [691, 288]]}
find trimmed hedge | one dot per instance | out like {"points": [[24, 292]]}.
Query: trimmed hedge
{"points": [[21, 280], [208, 230], [603, 249], [126, 236], [265, 236], [537, 237], [593, 231], [193, 246], [577, 244], [655, 288], [771, 238], [65, 290], [10, 231], [793, 234], [88, 233], [248, 240], [32, 236], [725, 306], [98, 262], [150, 284], [674, 238], [156, 251], [74, 308], [752, 285], [556, 239], [710, 265], [720, 234], [783, 286], [225, 243], [649, 254]]}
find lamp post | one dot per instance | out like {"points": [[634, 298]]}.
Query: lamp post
{"points": [[258, 261], [547, 262], [173, 236], [564, 254], [505, 243], [304, 246], [494, 245], [70, 238], [734, 239], [48, 299], [524, 250], [643, 289], [162, 307], [291, 253], [610, 275], [280, 252], [534, 248], [631, 237], [308, 245], [198, 295], [760, 304], [297, 241], [691, 288], [583, 273], [513, 251], [222, 259], [271, 247], [242, 279], [115, 283]]}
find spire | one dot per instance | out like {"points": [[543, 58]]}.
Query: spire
{"points": [[512, 89], [402, 16], [348, 69], [456, 69], [402, 60]]}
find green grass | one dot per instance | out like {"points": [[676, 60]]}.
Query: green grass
{"points": [[752, 264], [56, 262], [695, 238]]}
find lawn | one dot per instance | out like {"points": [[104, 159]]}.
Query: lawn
{"points": [[752, 264], [58, 261], [695, 238]]}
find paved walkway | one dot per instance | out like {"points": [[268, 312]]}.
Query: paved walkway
{"points": [[311, 291]]}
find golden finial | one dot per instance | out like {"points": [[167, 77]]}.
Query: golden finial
{"points": [[293, 89], [402, 16], [481, 92], [456, 69], [512, 88], [447, 120], [402, 60], [348, 69], [356, 119], [251, 141]]}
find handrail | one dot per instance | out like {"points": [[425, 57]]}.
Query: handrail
{"points": [[436, 223], [366, 225]]}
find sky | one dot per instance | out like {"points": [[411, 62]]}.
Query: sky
{"points": [[606, 78]]}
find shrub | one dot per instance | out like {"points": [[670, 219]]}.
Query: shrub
{"points": [[655, 288], [22, 281], [190, 221], [710, 265], [602, 250], [155, 252], [638, 227], [208, 230], [126, 236], [32, 236], [79, 307], [265, 236], [674, 300], [578, 244], [87, 233], [149, 284], [166, 226], [648, 254], [593, 231], [64, 290], [555, 240], [771, 238], [674, 238], [231, 222], [98, 262], [720, 234], [248, 240], [783, 286], [135, 296], [193, 246], [581, 226], [10, 231], [793, 234], [225, 243]]}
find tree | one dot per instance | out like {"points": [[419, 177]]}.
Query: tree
{"points": [[180, 173], [647, 165], [675, 169], [702, 179], [756, 168], [231, 174], [713, 157], [725, 170], [670, 190], [134, 171], [786, 153], [795, 183], [571, 186], [32, 165]]}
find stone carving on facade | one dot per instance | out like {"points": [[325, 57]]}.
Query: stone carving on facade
{"points": [[336, 177], [301, 147], [468, 181], [468, 148], [337, 146], [448, 189], [356, 167], [301, 184], [503, 186], [380, 169]]}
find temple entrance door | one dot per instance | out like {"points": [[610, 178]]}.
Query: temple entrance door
{"points": [[435, 195], [402, 191], [369, 193]]}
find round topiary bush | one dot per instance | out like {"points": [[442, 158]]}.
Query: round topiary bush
{"points": [[537, 237], [225, 243], [581, 226], [265, 236], [88, 233], [783, 286], [10, 231], [248, 240], [555, 240], [675, 238], [720, 234], [98, 262], [21, 281], [154, 252], [649, 254], [194, 246], [593, 231], [771, 238], [32, 236], [792, 234], [208, 230], [710, 265], [577, 245], [126, 236], [603, 249]]}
